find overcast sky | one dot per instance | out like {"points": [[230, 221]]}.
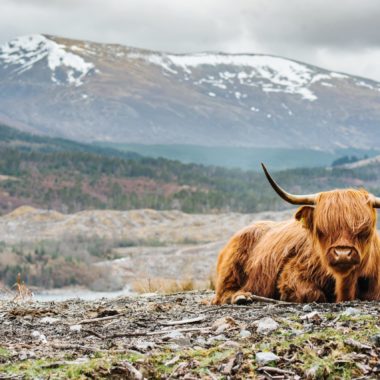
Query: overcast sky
{"points": [[342, 35]]}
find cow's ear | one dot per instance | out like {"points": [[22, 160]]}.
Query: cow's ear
{"points": [[305, 215]]}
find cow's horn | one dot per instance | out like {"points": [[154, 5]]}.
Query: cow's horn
{"points": [[376, 202], [291, 198]]}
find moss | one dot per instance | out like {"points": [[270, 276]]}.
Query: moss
{"points": [[356, 318], [212, 356], [323, 349], [4, 353], [31, 369]]}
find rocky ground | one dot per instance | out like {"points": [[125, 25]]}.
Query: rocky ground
{"points": [[182, 336], [143, 225]]}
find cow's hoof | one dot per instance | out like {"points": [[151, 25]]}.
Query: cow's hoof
{"points": [[242, 299]]}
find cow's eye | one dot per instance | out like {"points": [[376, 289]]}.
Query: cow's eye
{"points": [[363, 235], [320, 233]]}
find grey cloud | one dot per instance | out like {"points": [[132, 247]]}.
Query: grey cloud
{"points": [[338, 24], [338, 34]]}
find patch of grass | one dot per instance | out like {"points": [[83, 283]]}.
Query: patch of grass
{"points": [[126, 243], [322, 350], [167, 286], [330, 367], [4, 354], [132, 357], [39, 368], [155, 366], [213, 357], [196, 361], [356, 318]]}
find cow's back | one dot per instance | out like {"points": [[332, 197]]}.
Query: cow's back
{"points": [[280, 243], [237, 260]]}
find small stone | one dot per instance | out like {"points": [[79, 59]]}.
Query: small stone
{"points": [[307, 309], [23, 355], [201, 341], [263, 358], [175, 334], [223, 324], [49, 320], [174, 347], [245, 334], [217, 338], [177, 337], [39, 337], [31, 355], [376, 340], [230, 344], [76, 328], [266, 325], [351, 311], [222, 328], [144, 346], [312, 317]]}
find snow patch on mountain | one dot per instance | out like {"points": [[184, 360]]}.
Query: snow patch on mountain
{"points": [[272, 74], [24, 52]]}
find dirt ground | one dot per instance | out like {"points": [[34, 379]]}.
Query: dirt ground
{"points": [[181, 336]]}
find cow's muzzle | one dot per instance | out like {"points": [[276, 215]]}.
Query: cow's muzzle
{"points": [[343, 258]]}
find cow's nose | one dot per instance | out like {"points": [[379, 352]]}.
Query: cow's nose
{"points": [[343, 253]]}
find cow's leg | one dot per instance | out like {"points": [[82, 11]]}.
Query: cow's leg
{"points": [[368, 289], [294, 287], [238, 297], [230, 277], [346, 287], [232, 266]]}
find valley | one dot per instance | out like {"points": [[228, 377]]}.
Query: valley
{"points": [[111, 250], [243, 157]]}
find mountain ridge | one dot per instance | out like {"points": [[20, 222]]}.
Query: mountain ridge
{"points": [[109, 92], [211, 52]]}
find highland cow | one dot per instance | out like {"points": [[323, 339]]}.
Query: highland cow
{"points": [[330, 252]]}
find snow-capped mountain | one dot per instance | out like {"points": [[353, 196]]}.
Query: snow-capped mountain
{"points": [[21, 55], [102, 92]]}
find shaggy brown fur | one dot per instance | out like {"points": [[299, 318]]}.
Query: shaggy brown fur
{"points": [[298, 260]]}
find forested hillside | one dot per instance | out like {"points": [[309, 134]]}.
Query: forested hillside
{"points": [[66, 176]]}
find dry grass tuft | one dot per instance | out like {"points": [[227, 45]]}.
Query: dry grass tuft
{"points": [[211, 282], [22, 291], [168, 286]]}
